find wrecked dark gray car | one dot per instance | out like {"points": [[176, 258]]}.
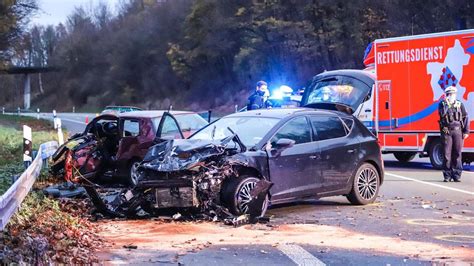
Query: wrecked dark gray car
{"points": [[304, 153], [245, 161]]}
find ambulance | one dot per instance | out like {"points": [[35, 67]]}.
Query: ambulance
{"points": [[397, 95]]}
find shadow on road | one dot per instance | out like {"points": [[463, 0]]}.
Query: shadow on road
{"points": [[309, 203], [415, 166]]}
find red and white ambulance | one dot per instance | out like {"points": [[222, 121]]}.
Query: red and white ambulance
{"points": [[397, 95]]}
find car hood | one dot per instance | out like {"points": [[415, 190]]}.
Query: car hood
{"points": [[182, 154]]}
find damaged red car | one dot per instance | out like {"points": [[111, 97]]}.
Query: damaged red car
{"points": [[112, 145]]}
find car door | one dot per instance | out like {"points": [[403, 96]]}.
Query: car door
{"points": [[292, 168], [339, 150], [168, 128]]}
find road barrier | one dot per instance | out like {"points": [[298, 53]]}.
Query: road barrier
{"points": [[11, 200]]}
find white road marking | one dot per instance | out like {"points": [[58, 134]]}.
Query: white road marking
{"points": [[431, 184], [299, 255]]}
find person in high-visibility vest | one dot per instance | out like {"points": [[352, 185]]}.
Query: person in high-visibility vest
{"points": [[454, 125]]}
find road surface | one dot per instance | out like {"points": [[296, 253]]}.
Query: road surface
{"points": [[417, 220]]}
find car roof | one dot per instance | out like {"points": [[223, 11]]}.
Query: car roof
{"points": [[284, 112], [151, 113]]}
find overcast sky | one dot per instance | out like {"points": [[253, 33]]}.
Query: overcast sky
{"points": [[56, 11]]}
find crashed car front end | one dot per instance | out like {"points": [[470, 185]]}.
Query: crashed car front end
{"points": [[189, 175], [186, 173]]}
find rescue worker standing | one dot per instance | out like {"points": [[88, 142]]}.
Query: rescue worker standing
{"points": [[454, 124], [258, 99]]}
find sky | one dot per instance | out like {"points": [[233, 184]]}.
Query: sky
{"points": [[56, 11]]}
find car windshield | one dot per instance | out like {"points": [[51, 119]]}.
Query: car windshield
{"points": [[249, 129]]}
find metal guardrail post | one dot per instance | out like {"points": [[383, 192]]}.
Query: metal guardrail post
{"points": [[3, 110], [18, 110], [27, 146], [37, 113]]}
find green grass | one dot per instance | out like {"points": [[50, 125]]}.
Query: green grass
{"points": [[11, 152], [17, 122]]}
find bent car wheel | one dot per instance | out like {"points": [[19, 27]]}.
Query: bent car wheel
{"points": [[238, 195], [365, 186]]}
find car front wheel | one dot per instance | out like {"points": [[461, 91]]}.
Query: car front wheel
{"points": [[237, 195], [365, 187]]}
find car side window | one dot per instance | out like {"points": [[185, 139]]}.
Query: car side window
{"points": [[297, 129], [348, 123], [328, 127], [170, 129], [131, 128]]}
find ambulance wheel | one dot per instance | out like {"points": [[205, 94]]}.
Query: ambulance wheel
{"points": [[404, 156], [436, 154]]}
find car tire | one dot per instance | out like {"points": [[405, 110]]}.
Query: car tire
{"points": [[236, 192], [365, 185], [133, 174], [436, 154], [404, 156]]}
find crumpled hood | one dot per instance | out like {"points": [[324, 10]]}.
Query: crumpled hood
{"points": [[182, 154]]}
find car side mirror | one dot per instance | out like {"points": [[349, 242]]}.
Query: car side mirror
{"points": [[284, 143]]}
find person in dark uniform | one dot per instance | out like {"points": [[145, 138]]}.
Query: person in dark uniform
{"points": [[454, 124], [258, 99]]}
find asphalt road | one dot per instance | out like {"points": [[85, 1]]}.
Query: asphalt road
{"points": [[71, 122], [417, 220]]}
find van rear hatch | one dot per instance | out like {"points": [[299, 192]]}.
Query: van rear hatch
{"points": [[342, 90]]}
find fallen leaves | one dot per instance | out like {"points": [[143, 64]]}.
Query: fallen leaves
{"points": [[46, 231]]}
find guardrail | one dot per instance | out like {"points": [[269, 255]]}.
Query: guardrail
{"points": [[11, 200]]}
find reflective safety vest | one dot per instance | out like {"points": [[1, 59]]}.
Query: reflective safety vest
{"points": [[451, 113]]}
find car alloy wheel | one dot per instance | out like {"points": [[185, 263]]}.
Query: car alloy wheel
{"points": [[367, 183], [243, 196]]}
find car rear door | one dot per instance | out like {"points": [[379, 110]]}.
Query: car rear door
{"points": [[339, 150], [292, 169]]}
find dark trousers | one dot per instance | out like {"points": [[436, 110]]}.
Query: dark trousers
{"points": [[452, 163]]}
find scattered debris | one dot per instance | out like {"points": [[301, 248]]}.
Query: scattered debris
{"points": [[65, 190]]}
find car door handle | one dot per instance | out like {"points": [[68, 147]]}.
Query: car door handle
{"points": [[351, 151]]}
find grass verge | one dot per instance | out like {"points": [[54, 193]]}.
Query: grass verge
{"points": [[43, 231]]}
